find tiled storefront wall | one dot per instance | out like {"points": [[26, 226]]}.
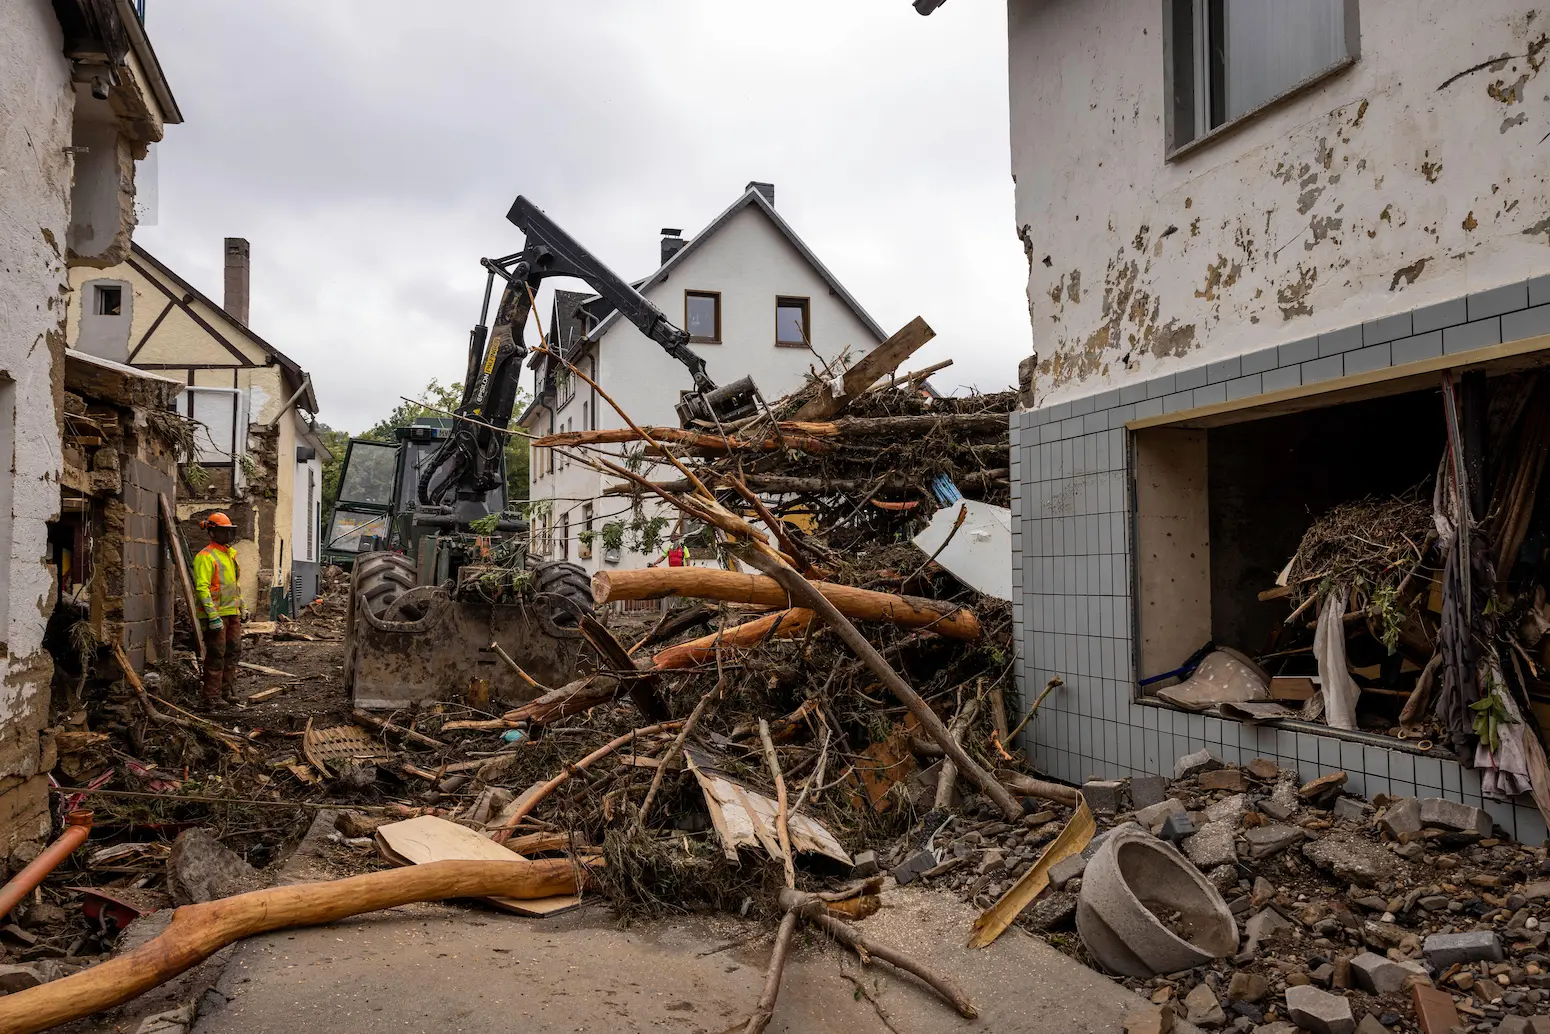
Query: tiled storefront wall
{"points": [[1072, 563]]}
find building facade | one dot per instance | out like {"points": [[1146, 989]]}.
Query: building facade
{"points": [[82, 97], [1256, 245], [257, 458], [757, 303]]}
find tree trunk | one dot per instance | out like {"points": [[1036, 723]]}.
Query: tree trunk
{"points": [[788, 624], [736, 587]]}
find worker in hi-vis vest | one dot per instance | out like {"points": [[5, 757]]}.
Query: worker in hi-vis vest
{"points": [[218, 587]]}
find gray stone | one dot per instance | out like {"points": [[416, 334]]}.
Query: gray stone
{"points": [[1177, 826], [1213, 845], [1053, 912], [1265, 923], [1267, 841], [1066, 870], [992, 863], [1278, 1027], [1282, 803], [1349, 809], [1103, 838], [1319, 1011], [174, 1021], [1104, 796], [864, 864], [1228, 809], [1153, 815], [19, 978], [906, 871], [1202, 1009], [1199, 761], [1401, 817], [1146, 791], [1444, 949], [200, 869], [1351, 860], [1263, 892], [1370, 1025], [1380, 975], [1410, 852], [1445, 814]]}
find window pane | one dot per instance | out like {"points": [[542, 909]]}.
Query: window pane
{"points": [[368, 474], [1272, 45], [216, 412], [701, 314], [348, 528], [790, 328]]}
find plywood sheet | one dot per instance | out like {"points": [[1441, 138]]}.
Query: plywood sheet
{"points": [[428, 838], [744, 818]]}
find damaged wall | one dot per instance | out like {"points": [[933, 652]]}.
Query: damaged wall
{"points": [[1413, 176], [36, 106]]}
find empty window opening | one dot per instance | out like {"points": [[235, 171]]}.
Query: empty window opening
{"points": [[109, 300]]}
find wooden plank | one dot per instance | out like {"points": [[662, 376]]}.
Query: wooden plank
{"points": [[430, 839], [272, 672], [876, 364], [185, 578], [1072, 840]]}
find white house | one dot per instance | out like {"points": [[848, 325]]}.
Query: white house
{"points": [[757, 303], [1263, 239]]}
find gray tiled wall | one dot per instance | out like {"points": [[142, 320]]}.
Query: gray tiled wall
{"points": [[1072, 579]]}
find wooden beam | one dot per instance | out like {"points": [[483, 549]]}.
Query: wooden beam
{"points": [[869, 369], [185, 582]]}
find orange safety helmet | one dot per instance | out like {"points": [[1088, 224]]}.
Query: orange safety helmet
{"points": [[216, 520]]}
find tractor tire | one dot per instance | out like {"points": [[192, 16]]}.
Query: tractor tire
{"points": [[381, 578], [563, 594]]}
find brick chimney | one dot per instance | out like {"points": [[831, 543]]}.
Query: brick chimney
{"points": [[767, 189], [237, 267], [672, 243]]}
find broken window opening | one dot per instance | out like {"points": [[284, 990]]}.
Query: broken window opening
{"points": [[109, 299]]}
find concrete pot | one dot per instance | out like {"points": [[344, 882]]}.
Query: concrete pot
{"points": [[1134, 875]]}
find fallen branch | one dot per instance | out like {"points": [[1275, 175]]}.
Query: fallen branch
{"points": [[503, 832], [979, 480], [947, 781], [1043, 789], [788, 624], [387, 726], [764, 1009], [517, 668], [813, 909], [1049, 688], [199, 931], [642, 685], [737, 587], [782, 816], [675, 748]]}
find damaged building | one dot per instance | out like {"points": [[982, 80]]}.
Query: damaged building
{"points": [[83, 98], [1288, 286], [256, 457]]}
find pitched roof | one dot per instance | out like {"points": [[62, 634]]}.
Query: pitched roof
{"points": [[298, 376], [751, 196]]}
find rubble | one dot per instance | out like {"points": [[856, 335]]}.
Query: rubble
{"points": [[1319, 1011]]}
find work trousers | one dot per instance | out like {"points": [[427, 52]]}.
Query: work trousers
{"points": [[223, 649]]}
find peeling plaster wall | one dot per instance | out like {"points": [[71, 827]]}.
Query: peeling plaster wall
{"points": [[1414, 176], [36, 108]]}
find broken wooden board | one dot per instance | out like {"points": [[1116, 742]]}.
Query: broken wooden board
{"points": [[258, 628], [883, 765], [744, 818], [325, 748], [993, 922], [272, 672], [430, 839]]}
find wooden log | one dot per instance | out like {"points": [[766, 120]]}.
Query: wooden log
{"points": [[947, 779], [869, 369], [979, 480], [816, 437], [653, 583], [697, 441], [788, 624], [643, 687], [169, 522], [1043, 789], [398, 730], [199, 931], [571, 698]]}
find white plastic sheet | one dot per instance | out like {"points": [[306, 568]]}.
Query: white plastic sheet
{"points": [[1340, 690]]}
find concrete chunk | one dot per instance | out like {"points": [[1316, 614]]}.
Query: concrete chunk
{"points": [[1349, 809], [1202, 1009], [1265, 923], [1224, 779], [1229, 809], [1104, 796], [1444, 949], [1445, 814], [1213, 845], [1066, 870], [1379, 975], [1351, 859], [1271, 840], [1199, 761], [1156, 814], [1319, 1011], [865, 864], [1146, 791], [1401, 817]]}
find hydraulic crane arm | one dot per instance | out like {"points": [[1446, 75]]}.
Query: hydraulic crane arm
{"points": [[469, 463]]}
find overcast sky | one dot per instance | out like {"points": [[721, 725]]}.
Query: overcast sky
{"points": [[369, 150]]}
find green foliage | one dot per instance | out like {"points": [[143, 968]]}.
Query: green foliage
{"points": [[196, 476], [336, 442], [613, 535], [485, 525]]}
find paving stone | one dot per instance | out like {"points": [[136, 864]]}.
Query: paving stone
{"points": [[1434, 1010], [1054, 912], [1177, 826], [1267, 841], [1401, 817], [906, 871], [1282, 803], [1145, 791], [864, 864], [1444, 949], [1319, 1011], [1213, 845], [1446, 814], [1224, 779], [1104, 796], [1190, 764]]}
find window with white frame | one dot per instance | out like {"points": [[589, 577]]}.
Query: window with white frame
{"points": [[1226, 59], [221, 425]]}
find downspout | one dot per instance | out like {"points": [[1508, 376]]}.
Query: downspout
{"points": [[22, 884], [306, 382]]}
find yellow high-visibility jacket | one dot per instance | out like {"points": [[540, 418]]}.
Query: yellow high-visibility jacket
{"points": [[217, 581]]}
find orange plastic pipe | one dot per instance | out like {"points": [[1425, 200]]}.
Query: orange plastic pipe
{"points": [[23, 882]]}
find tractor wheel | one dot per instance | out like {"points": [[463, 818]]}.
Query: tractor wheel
{"points": [[381, 578], [564, 594]]}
